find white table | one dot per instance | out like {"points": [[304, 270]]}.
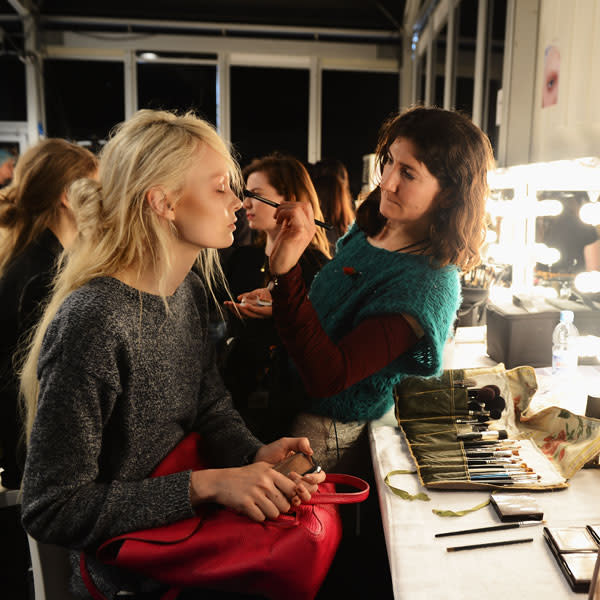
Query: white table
{"points": [[420, 566]]}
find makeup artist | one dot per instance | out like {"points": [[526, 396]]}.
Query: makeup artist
{"points": [[383, 307], [256, 368]]}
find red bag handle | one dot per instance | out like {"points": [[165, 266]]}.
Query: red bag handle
{"points": [[342, 497]]}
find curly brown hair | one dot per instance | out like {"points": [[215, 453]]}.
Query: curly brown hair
{"points": [[458, 154]]}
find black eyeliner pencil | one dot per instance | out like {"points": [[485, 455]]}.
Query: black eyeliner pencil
{"points": [[490, 528], [249, 194], [489, 545]]}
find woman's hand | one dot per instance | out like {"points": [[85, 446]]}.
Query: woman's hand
{"points": [[279, 449], [258, 490], [283, 447], [297, 231], [252, 305]]}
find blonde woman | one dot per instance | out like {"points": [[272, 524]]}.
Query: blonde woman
{"points": [[120, 368], [256, 370]]}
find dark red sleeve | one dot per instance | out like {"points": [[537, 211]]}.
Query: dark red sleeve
{"points": [[327, 368]]}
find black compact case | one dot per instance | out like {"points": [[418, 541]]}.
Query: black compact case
{"points": [[595, 531], [575, 551], [511, 507]]}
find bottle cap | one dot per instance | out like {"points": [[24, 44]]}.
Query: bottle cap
{"points": [[566, 316]]}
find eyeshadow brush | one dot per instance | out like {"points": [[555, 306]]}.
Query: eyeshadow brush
{"points": [[249, 194]]}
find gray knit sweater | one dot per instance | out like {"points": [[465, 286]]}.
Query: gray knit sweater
{"points": [[121, 382]]}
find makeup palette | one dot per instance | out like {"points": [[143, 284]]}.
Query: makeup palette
{"points": [[575, 551]]}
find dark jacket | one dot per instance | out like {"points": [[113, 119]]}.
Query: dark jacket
{"points": [[24, 290], [255, 367]]}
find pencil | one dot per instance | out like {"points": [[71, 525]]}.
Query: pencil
{"points": [[489, 545], [249, 194], [491, 528]]}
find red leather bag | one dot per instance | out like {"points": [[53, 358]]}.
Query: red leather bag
{"points": [[286, 558]]}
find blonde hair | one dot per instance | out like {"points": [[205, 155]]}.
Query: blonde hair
{"points": [[117, 229], [31, 202], [291, 180]]}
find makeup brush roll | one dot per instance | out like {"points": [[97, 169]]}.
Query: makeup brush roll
{"points": [[548, 447]]}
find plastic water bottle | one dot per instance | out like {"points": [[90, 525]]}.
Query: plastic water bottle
{"points": [[564, 345]]}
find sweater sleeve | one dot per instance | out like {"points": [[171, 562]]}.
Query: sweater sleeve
{"points": [[328, 368], [228, 441], [65, 502]]}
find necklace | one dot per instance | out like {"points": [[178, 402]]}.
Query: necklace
{"points": [[416, 247]]}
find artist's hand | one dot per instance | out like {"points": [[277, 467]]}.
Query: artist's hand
{"points": [[253, 305], [297, 231]]}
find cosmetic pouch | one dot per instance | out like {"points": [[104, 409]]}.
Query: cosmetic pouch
{"points": [[554, 442]]}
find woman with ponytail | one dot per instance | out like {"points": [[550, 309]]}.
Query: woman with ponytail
{"points": [[121, 368], [36, 224]]}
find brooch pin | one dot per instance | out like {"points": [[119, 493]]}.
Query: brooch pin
{"points": [[351, 271]]}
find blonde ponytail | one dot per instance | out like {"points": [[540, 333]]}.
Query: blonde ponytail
{"points": [[117, 230]]}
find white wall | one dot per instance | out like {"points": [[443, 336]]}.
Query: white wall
{"points": [[571, 127]]}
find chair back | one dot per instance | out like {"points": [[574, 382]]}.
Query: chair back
{"points": [[51, 571]]}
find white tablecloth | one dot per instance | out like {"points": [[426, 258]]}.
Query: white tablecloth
{"points": [[421, 567]]}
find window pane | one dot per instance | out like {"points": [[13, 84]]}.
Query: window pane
{"points": [[440, 66], [495, 69], [355, 104], [13, 103], [467, 32], [269, 112], [84, 98], [178, 87], [421, 78]]}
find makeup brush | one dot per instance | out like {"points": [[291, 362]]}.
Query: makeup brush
{"points": [[485, 453], [491, 444], [494, 389], [249, 194], [480, 416], [482, 435]]}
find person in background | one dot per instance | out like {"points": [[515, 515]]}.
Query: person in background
{"points": [[256, 369], [383, 308], [36, 223], [121, 368], [7, 166], [331, 184]]}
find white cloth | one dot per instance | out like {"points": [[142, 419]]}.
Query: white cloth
{"points": [[420, 566]]}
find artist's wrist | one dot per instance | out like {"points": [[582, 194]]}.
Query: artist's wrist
{"points": [[277, 278]]}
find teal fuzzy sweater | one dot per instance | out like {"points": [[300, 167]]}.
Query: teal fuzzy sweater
{"points": [[364, 281]]}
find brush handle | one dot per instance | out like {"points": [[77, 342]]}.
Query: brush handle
{"points": [[249, 194], [479, 529], [489, 545]]}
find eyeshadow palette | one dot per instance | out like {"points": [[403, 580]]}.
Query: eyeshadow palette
{"points": [[575, 551], [516, 507]]}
